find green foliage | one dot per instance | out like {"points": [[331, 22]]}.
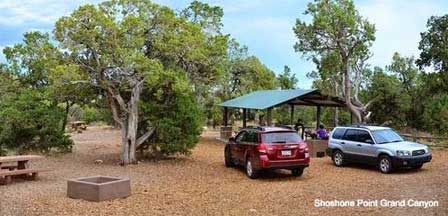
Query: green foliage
{"points": [[391, 104], [243, 73], [174, 113], [436, 115], [207, 16], [337, 36], [141, 55], [32, 60], [30, 118], [28, 122], [434, 54], [93, 114], [336, 26], [433, 45], [286, 79]]}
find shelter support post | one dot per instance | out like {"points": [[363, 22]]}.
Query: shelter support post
{"points": [[336, 117], [225, 116], [269, 117], [292, 114], [318, 110], [244, 118], [351, 117]]}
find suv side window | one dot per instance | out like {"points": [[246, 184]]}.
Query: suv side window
{"points": [[241, 136], [338, 133], [351, 135], [251, 137], [364, 136], [357, 135]]}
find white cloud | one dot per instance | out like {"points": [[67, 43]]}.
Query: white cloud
{"points": [[265, 26], [15, 12], [398, 24]]}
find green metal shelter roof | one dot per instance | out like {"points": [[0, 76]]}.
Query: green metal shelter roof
{"points": [[267, 98]]}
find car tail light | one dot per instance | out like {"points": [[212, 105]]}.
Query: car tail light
{"points": [[303, 146], [262, 148]]}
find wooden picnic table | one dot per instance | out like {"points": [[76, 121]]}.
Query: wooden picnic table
{"points": [[21, 160], [79, 125], [21, 168]]}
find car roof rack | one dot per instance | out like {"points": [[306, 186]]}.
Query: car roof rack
{"points": [[285, 126], [361, 125], [254, 127]]}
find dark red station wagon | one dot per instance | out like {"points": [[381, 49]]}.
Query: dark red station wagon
{"points": [[267, 148]]}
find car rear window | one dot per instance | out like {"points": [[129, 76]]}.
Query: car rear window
{"points": [[338, 133], [280, 137]]}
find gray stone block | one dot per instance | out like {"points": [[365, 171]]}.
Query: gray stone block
{"points": [[99, 188]]}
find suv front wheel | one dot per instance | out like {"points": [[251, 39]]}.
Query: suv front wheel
{"points": [[228, 158], [385, 164], [338, 158]]}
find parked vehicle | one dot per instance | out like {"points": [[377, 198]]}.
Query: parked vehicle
{"points": [[375, 145], [267, 148]]}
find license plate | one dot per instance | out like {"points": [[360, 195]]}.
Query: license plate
{"points": [[286, 153]]}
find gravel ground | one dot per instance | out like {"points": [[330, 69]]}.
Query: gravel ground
{"points": [[201, 185]]}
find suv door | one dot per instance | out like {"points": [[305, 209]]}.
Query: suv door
{"points": [[365, 147], [236, 150], [358, 141], [349, 141], [336, 138], [247, 143], [250, 143]]}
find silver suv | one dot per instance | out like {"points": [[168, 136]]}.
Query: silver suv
{"points": [[375, 145]]}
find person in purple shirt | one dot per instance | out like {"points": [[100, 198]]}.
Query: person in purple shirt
{"points": [[321, 132]]}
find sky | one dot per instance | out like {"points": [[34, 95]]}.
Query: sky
{"points": [[264, 26]]}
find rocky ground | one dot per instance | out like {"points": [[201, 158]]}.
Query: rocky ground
{"points": [[202, 185]]}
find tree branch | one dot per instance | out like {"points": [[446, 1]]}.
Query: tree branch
{"points": [[371, 102], [119, 99], [144, 137], [114, 109]]}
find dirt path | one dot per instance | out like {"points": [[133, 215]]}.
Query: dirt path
{"points": [[201, 185]]}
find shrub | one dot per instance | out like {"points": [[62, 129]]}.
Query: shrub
{"points": [[29, 122], [92, 114], [435, 116], [175, 114]]}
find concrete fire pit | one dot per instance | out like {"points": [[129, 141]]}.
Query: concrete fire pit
{"points": [[99, 188]]}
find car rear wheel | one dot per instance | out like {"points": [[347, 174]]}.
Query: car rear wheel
{"points": [[228, 158], [297, 172], [385, 164], [338, 158], [250, 171]]}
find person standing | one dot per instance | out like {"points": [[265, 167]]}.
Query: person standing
{"points": [[299, 126]]}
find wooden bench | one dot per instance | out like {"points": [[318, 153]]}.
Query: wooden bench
{"points": [[28, 174], [79, 126], [9, 167], [18, 166]]}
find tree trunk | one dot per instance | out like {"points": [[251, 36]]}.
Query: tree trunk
{"points": [[67, 109], [356, 111], [124, 143], [133, 121], [126, 115], [336, 117]]}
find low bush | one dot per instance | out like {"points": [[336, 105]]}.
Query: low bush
{"points": [[176, 116], [29, 122]]}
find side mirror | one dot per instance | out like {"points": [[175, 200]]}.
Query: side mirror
{"points": [[369, 141], [232, 139]]}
